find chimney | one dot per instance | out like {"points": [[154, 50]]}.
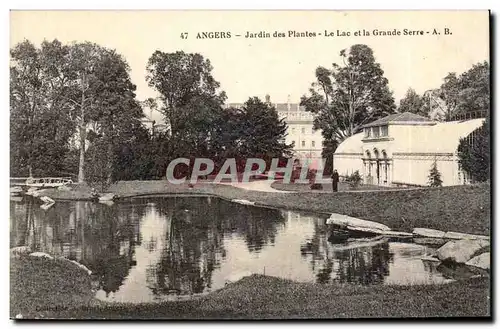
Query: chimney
{"points": [[288, 102]]}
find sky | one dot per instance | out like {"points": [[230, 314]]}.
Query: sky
{"points": [[281, 67]]}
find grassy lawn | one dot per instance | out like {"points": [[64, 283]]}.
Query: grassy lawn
{"points": [[43, 288], [327, 188], [463, 209], [38, 283]]}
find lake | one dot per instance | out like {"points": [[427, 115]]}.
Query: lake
{"points": [[152, 249]]}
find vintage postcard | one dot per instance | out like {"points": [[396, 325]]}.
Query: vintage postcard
{"points": [[249, 164]]}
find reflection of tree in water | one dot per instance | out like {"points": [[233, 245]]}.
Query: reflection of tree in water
{"points": [[90, 233], [257, 225], [194, 240], [103, 237], [110, 230], [366, 264], [192, 250]]}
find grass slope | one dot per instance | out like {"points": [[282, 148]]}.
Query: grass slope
{"points": [[263, 297]]}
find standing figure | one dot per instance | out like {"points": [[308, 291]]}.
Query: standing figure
{"points": [[335, 181]]}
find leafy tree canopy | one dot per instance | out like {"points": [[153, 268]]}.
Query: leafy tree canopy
{"points": [[349, 95]]}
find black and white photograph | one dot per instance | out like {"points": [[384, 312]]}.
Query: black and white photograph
{"points": [[249, 165]]}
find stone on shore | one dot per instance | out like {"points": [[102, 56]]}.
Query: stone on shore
{"points": [[46, 199], [41, 254], [396, 234], [20, 251], [16, 190], [463, 236], [80, 266], [107, 197], [107, 203], [46, 206], [31, 191], [244, 202], [459, 251], [429, 241], [456, 271], [345, 221], [364, 229], [428, 233], [481, 261], [429, 258]]}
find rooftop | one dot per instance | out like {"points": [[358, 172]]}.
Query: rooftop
{"points": [[280, 107], [400, 118]]}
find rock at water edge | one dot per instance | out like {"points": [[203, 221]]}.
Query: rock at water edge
{"points": [[19, 251], [464, 236], [244, 202], [344, 221], [481, 261], [429, 241], [459, 251], [41, 254], [428, 233], [364, 230], [107, 197], [396, 234], [429, 258]]}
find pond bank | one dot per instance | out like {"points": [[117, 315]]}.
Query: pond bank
{"points": [[41, 290], [464, 209]]}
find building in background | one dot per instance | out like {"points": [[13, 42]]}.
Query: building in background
{"points": [[152, 120], [308, 144], [400, 149]]}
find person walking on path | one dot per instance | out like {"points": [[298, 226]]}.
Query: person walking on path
{"points": [[335, 181]]}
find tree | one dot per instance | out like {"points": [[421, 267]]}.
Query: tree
{"points": [[350, 95], [253, 131], [327, 152], [117, 119], [190, 101], [468, 93], [412, 102], [60, 92], [449, 93], [82, 63], [40, 124], [180, 78], [474, 153], [435, 176], [474, 92]]}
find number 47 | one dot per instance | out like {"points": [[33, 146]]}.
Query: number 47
{"points": [[184, 35]]}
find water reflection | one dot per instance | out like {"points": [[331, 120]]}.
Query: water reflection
{"points": [[153, 249]]}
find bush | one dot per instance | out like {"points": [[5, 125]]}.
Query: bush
{"points": [[354, 179], [474, 153], [435, 176]]}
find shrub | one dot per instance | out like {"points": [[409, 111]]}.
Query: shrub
{"points": [[435, 176], [354, 179], [474, 153]]}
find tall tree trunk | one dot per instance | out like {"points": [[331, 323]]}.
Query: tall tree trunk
{"points": [[83, 132], [109, 163], [81, 166]]}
